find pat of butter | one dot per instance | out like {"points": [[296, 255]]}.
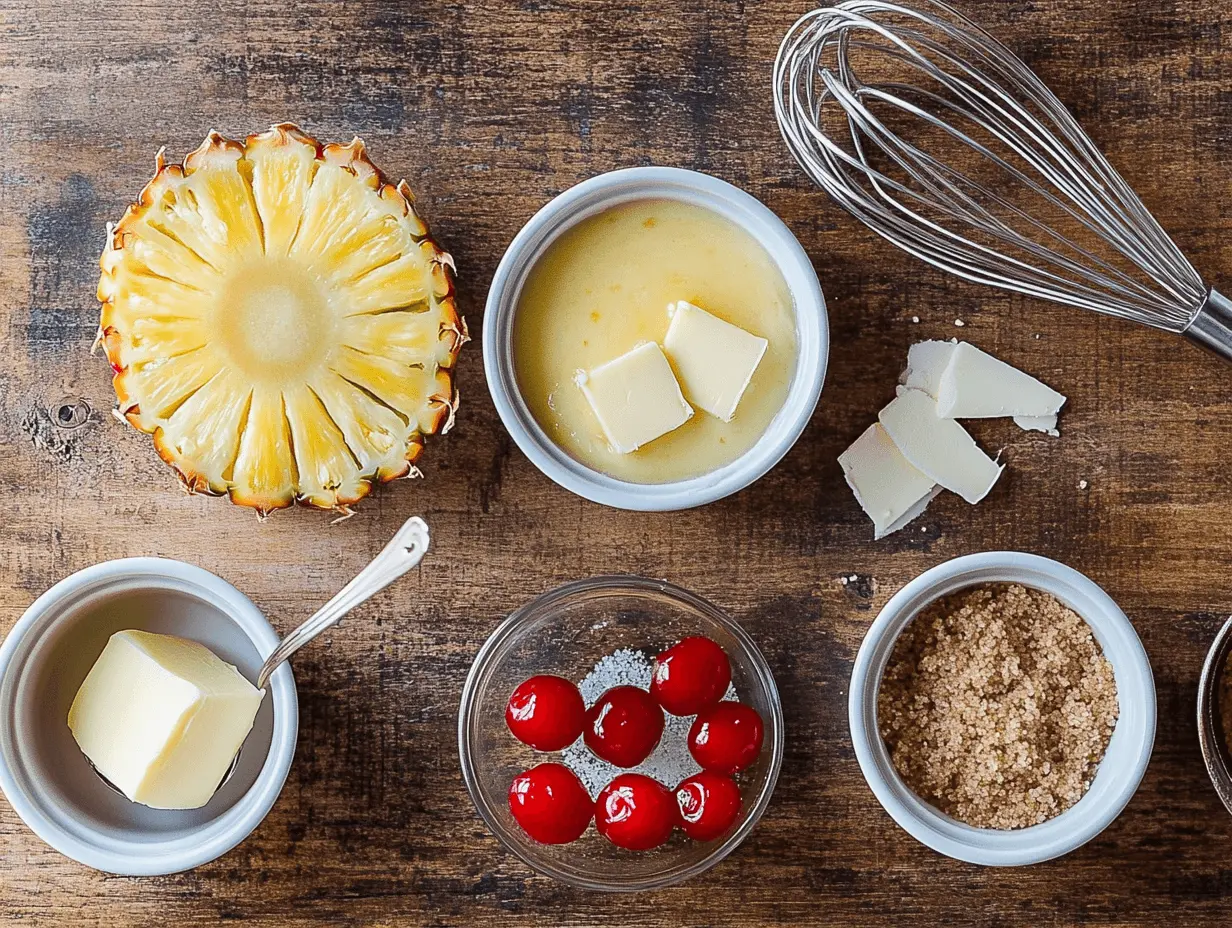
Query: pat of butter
{"points": [[887, 487], [937, 447], [714, 358], [635, 397], [161, 717], [975, 385]]}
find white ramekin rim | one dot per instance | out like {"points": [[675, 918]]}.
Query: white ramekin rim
{"points": [[586, 199], [104, 851], [1119, 773]]}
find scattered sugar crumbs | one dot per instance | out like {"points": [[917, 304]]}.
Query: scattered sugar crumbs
{"points": [[997, 705]]}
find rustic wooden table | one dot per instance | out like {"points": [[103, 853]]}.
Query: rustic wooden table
{"points": [[490, 108]]}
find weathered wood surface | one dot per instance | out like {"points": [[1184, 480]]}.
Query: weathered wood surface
{"points": [[490, 108]]}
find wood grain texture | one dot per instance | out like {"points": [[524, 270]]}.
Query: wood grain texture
{"points": [[489, 108]]}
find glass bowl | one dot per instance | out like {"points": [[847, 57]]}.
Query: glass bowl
{"points": [[565, 632]]}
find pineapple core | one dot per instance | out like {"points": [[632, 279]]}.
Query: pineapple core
{"points": [[273, 321], [279, 319]]}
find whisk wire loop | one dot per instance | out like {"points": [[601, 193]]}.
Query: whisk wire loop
{"points": [[940, 139]]}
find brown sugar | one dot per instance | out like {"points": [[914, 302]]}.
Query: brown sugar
{"points": [[997, 705]]}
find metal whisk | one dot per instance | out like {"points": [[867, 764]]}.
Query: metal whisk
{"points": [[940, 139]]}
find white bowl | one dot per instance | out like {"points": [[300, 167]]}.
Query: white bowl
{"points": [[43, 773], [594, 196], [1118, 774]]}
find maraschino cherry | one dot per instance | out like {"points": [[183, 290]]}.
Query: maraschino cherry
{"points": [[726, 738], [550, 804], [690, 676], [635, 812], [546, 712], [624, 726], [709, 803]]}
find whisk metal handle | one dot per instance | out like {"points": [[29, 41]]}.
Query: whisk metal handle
{"points": [[404, 551], [1211, 326]]}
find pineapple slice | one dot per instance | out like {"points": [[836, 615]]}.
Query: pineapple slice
{"points": [[278, 318]]}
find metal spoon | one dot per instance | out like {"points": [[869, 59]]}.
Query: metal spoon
{"points": [[404, 551]]}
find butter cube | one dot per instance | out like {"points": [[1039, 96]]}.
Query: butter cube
{"points": [[714, 358], [161, 717], [635, 397]]}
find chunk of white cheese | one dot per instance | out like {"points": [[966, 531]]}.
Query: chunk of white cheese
{"points": [[926, 362], [715, 359], [161, 717], [975, 385], [887, 487], [635, 397], [938, 447]]}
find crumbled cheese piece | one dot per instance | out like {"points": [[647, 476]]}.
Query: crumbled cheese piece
{"points": [[975, 385], [1046, 424], [161, 717], [959, 323], [1082, 484], [887, 487], [915, 318], [939, 447], [635, 397], [715, 359]]}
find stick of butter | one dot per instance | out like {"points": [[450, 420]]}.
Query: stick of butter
{"points": [[887, 487], [714, 358], [635, 397], [161, 717], [940, 448]]}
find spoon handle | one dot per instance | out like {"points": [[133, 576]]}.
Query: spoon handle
{"points": [[404, 551]]}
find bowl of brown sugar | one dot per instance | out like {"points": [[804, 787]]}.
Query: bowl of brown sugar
{"points": [[1002, 709]]}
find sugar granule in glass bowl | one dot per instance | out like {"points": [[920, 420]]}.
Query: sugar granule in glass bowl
{"points": [[669, 763]]}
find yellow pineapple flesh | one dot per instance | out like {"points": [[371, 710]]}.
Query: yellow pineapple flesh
{"points": [[279, 319]]}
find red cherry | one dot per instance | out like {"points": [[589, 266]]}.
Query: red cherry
{"points": [[550, 804], [709, 802], [546, 712], [690, 675], [624, 726], [726, 738], [635, 812]]}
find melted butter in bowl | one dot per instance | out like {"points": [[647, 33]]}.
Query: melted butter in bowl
{"points": [[604, 286]]}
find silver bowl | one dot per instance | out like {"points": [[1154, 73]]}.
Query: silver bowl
{"points": [[1210, 719]]}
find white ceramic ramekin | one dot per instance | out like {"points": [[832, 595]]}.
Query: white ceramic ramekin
{"points": [[594, 196], [47, 779], [1118, 774]]}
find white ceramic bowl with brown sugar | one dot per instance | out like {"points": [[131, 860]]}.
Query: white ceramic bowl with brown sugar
{"points": [[1118, 774]]}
